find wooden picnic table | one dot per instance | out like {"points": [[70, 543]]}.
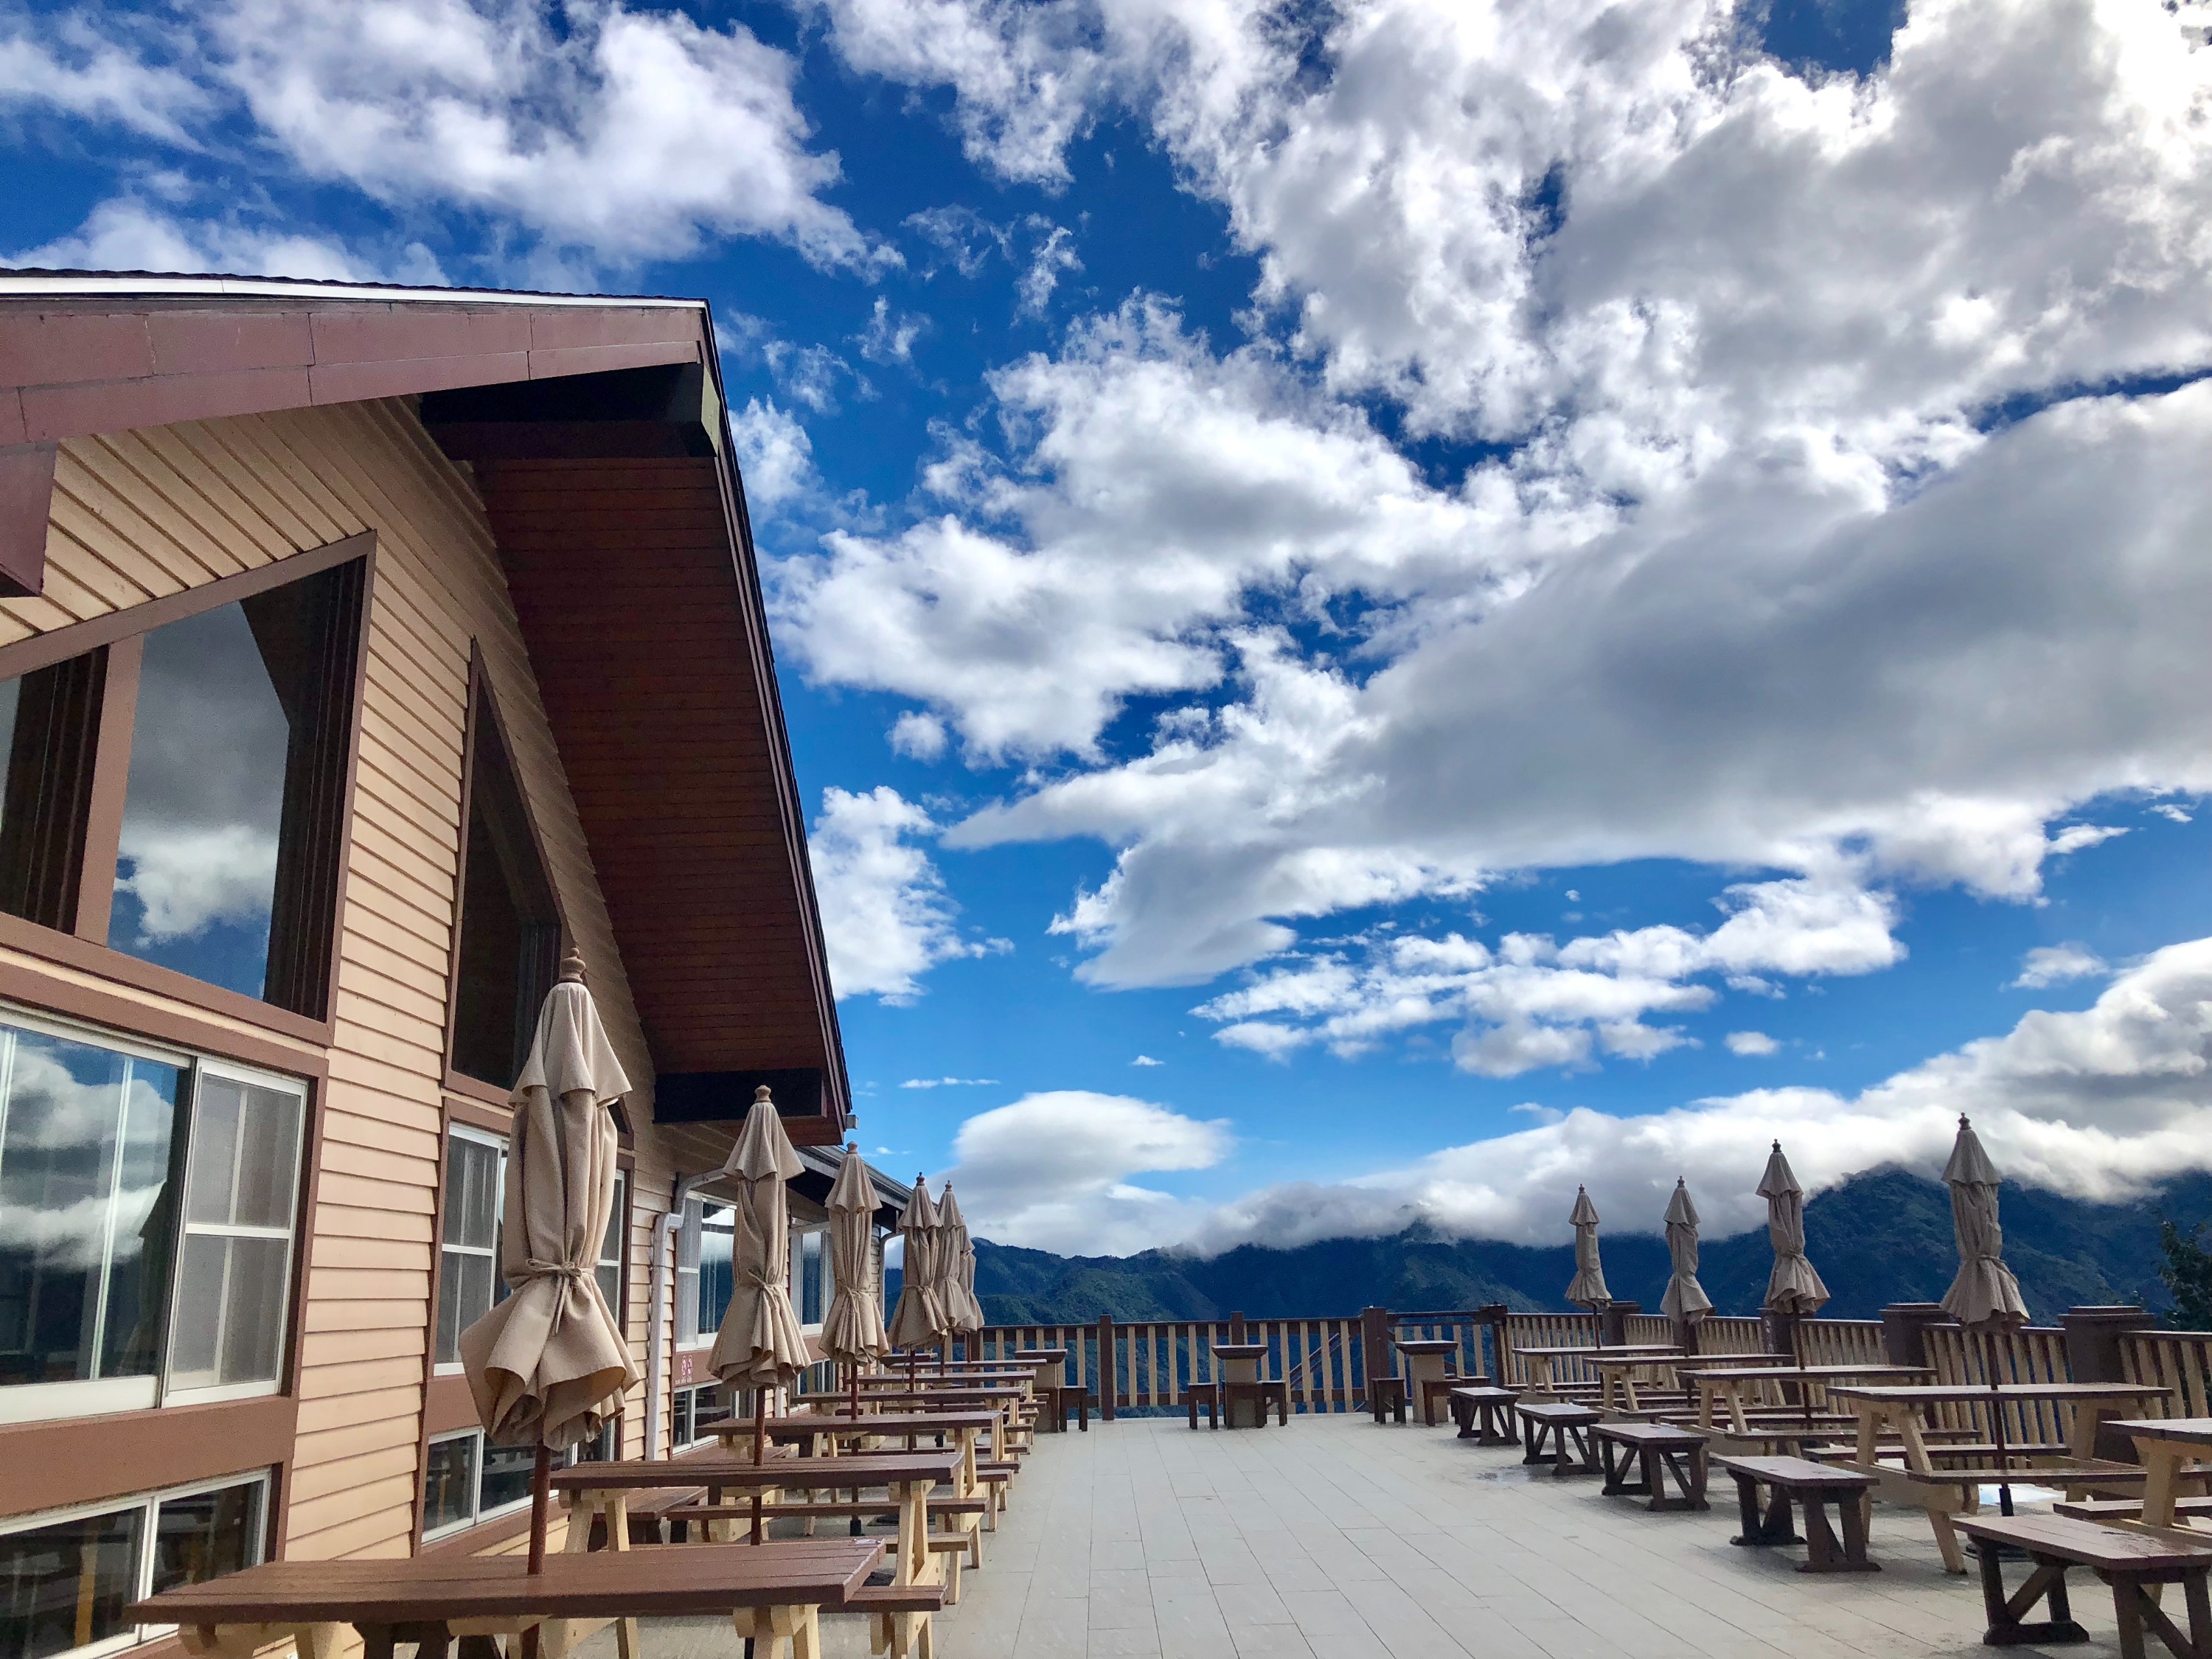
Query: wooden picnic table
{"points": [[2164, 1444], [830, 1431], [1617, 1374], [1729, 1387], [771, 1590], [1540, 1359], [1896, 1408], [1238, 1366]]}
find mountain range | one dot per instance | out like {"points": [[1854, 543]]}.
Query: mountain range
{"points": [[1880, 1238]]}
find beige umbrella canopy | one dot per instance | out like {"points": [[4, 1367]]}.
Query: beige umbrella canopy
{"points": [[1587, 1289], [1984, 1295], [549, 1363], [1793, 1287], [759, 1345], [1685, 1299], [919, 1321], [852, 1328], [955, 1254]]}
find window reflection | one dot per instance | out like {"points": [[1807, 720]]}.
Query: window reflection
{"points": [[65, 1586]]}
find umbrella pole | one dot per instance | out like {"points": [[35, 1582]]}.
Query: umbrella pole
{"points": [[853, 1371], [541, 1497], [1997, 1423], [760, 1451]]}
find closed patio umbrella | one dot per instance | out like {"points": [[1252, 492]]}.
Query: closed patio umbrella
{"points": [[956, 1255], [759, 1345], [1794, 1287], [1685, 1300], [1985, 1297], [852, 1328], [919, 1321], [548, 1364], [1587, 1288]]}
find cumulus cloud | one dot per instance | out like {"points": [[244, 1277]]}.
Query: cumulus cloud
{"points": [[884, 909], [129, 234], [2047, 964], [78, 65], [1051, 1171], [2104, 1104], [1805, 537], [774, 455], [1752, 1044], [630, 135]]}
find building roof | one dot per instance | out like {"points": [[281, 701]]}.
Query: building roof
{"points": [[598, 435]]}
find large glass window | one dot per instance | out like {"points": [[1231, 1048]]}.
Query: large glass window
{"points": [[65, 1580], [48, 726], [703, 1281], [469, 1279], [510, 926], [468, 1480], [696, 1411], [609, 1270], [809, 1276], [227, 866], [96, 1139]]}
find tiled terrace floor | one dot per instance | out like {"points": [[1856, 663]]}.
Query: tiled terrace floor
{"points": [[1334, 1536]]}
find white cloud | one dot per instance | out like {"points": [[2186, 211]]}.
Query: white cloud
{"points": [[2104, 1104], [2047, 964], [1052, 1170], [889, 334], [948, 1082], [884, 909], [191, 877], [774, 456], [918, 735], [126, 234], [1054, 256], [81, 64], [1146, 1059], [1752, 1044], [1758, 579], [629, 135], [2176, 814]]}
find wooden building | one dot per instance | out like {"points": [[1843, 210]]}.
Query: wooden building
{"points": [[361, 646]]}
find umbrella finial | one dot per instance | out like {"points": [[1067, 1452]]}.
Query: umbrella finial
{"points": [[1777, 1145], [1964, 1123], [572, 966]]}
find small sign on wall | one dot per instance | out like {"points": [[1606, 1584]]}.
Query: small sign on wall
{"points": [[683, 1367]]}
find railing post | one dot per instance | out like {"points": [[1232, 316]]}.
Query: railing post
{"points": [[1494, 1315], [1374, 1348], [1235, 1326], [1777, 1331], [1613, 1323], [2093, 1355], [1109, 1369], [1905, 1330]]}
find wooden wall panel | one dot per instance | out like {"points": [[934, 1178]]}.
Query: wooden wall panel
{"points": [[143, 513]]}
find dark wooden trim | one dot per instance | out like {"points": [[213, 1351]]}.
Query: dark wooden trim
{"points": [[474, 1089], [111, 781], [445, 1121], [52, 993], [84, 1460], [477, 1115], [310, 1197], [746, 566], [67, 952], [78, 638], [474, 1541], [448, 1407], [26, 495]]}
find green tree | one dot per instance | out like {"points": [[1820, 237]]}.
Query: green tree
{"points": [[2186, 1272]]}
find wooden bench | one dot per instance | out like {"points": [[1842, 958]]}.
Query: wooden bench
{"points": [[1434, 1389], [1811, 1486], [1653, 1452], [1568, 1427], [1058, 1400], [2125, 1509], [1493, 1408], [1386, 1397], [2128, 1561]]}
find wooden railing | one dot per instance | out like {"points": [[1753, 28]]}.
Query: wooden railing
{"points": [[1840, 1342], [2180, 1361], [2034, 1354], [1464, 1326], [1728, 1334]]}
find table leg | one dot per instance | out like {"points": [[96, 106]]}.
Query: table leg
{"points": [[2161, 1462], [1736, 1408], [375, 1641]]}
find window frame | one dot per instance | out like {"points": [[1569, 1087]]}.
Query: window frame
{"points": [[81, 945], [28, 1404], [690, 1231], [478, 1515], [148, 1505], [485, 707], [457, 1130]]}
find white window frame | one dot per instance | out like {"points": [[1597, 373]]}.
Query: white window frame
{"points": [[688, 1235], [691, 1388], [618, 1223], [799, 1237], [252, 1076], [53, 1402], [478, 1514], [148, 1506], [497, 1143]]}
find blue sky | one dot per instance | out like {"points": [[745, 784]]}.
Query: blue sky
{"points": [[1511, 595]]}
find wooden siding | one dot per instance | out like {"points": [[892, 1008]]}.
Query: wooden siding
{"points": [[145, 512]]}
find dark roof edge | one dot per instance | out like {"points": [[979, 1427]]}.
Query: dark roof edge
{"points": [[82, 283]]}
